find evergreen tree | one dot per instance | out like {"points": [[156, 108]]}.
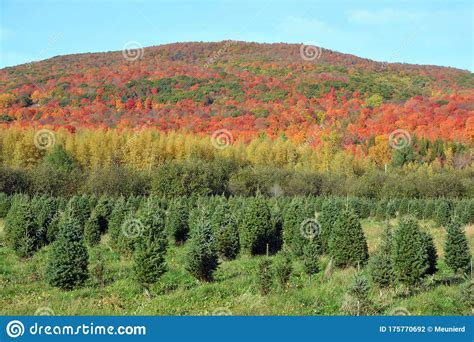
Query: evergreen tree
{"points": [[150, 251], [226, 231], [348, 245], [429, 210], [257, 229], [381, 210], [295, 215], [283, 267], [264, 277], [44, 209], [409, 254], [103, 211], [59, 159], [456, 248], [178, 222], [431, 253], [5, 204], [311, 254], [442, 213], [78, 206], [329, 214], [21, 228], [202, 259], [359, 293], [380, 264], [392, 209], [92, 230], [117, 218], [68, 258]]}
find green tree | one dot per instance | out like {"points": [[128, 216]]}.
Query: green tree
{"points": [[442, 213], [329, 213], [264, 277], [348, 245], [311, 258], [283, 266], [202, 258], [21, 228], [92, 230], [226, 231], [456, 248], [177, 221], [294, 217], [150, 251], [68, 259], [409, 254], [380, 264], [431, 253], [256, 229]]}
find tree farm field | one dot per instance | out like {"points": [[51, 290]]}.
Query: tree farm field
{"points": [[234, 291]]}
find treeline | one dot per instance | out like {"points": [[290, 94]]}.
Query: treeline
{"points": [[148, 148], [216, 229], [58, 173]]}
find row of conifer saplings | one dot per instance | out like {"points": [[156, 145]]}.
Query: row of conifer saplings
{"points": [[215, 229]]}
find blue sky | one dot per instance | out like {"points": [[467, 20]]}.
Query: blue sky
{"points": [[416, 31]]}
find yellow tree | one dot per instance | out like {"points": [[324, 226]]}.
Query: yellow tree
{"points": [[381, 152]]}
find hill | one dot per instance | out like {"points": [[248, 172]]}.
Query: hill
{"points": [[301, 92]]}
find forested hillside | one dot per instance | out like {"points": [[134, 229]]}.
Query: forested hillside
{"points": [[247, 88]]}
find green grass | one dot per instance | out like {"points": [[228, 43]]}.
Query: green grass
{"points": [[24, 291]]}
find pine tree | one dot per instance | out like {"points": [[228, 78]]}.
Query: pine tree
{"points": [[150, 251], [409, 253], [431, 253], [442, 213], [294, 216], [177, 222], [348, 245], [311, 254], [329, 214], [5, 203], [359, 301], [92, 230], [78, 206], [456, 248], [68, 259], [44, 209], [226, 231], [283, 267], [202, 258], [103, 211], [21, 228], [264, 277], [117, 218], [429, 210], [380, 264], [257, 229], [392, 209]]}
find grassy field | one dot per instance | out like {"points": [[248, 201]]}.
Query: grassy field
{"points": [[23, 290]]}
